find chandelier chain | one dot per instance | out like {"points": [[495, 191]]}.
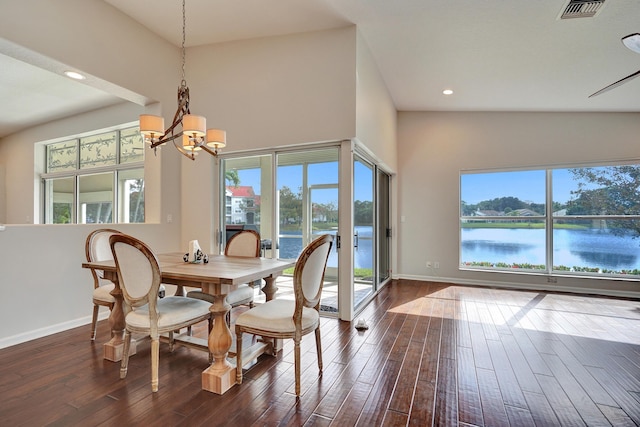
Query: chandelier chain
{"points": [[184, 37]]}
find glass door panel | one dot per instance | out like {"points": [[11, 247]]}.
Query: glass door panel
{"points": [[248, 199], [363, 232], [307, 184], [383, 228], [323, 211]]}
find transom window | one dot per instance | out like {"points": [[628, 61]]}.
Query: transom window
{"points": [[97, 178], [579, 221]]}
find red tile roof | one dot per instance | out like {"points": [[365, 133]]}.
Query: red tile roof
{"points": [[241, 191]]}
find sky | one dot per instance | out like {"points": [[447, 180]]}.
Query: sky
{"points": [[325, 173], [528, 186]]}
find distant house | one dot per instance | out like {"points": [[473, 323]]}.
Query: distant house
{"points": [[524, 212], [488, 212], [319, 214], [241, 204]]}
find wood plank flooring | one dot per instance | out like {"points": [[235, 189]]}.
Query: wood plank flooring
{"points": [[434, 354]]}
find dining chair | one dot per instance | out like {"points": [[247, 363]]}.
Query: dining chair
{"points": [[245, 243], [280, 318], [97, 249], [139, 278]]}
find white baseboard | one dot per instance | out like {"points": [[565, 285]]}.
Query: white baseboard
{"points": [[522, 286], [49, 330]]}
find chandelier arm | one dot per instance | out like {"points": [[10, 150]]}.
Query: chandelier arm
{"points": [[166, 138], [186, 153], [209, 150], [183, 109]]}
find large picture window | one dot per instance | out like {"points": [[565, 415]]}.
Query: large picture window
{"points": [[95, 179], [578, 220]]}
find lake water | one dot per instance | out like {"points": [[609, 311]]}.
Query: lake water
{"points": [[582, 248], [572, 248], [291, 245]]}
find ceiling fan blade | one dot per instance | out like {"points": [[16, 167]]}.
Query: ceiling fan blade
{"points": [[616, 84]]}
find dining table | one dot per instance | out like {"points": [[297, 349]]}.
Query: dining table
{"points": [[217, 277]]}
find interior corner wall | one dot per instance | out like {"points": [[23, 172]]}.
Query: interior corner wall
{"points": [[433, 147], [267, 92], [277, 91], [376, 115]]}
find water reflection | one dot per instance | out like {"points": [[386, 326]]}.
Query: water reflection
{"points": [[606, 259], [593, 248], [497, 248]]}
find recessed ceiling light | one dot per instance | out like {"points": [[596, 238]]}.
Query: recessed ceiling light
{"points": [[74, 75], [447, 92]]}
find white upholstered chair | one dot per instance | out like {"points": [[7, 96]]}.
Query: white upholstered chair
{"points": [[246, 243], [139, 278], [280, 318], [97, 249]]}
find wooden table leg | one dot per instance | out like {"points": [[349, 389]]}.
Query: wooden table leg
{"points": [[270, 290], [180, 291], [270, 287], [114, 348], [221, 375]]}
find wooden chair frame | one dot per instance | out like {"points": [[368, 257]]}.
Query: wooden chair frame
{"points": [[90, 246], [150, 297], [302, 300]]}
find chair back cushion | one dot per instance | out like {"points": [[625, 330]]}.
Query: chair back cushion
{"points": [[138, 270], [309, 272], [97, 249], [246, 243]]}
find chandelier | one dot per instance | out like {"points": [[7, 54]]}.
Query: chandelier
{"points": [[188, 132]]}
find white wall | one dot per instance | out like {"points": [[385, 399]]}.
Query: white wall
{"points": [[267, 92], [277, 91], [44, 288], [434, 147], [376, 122]]}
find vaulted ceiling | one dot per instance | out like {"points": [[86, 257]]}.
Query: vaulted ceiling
{"points": [[495, 55]]}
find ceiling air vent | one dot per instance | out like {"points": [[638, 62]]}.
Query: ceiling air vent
{"points": [[582, 9]]}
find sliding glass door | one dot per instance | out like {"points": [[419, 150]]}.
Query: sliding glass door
{"points": [[247, 202], [363, 230], [292, 196], [383, 227], [307, 184]]}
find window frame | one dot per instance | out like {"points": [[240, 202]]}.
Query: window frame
{"points": [[549, 220], [79, 172]]}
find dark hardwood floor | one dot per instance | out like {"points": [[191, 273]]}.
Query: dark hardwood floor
{"points": [[434, 354]]}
